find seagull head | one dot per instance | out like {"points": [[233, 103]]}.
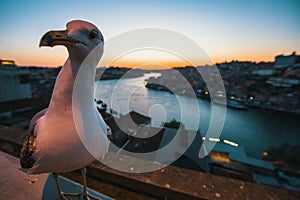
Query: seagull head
{"points": [[80, 38]]}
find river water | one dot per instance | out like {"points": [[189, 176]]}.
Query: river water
{"points": [[253, 129]]}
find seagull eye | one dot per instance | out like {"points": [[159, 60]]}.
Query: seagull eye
{"points": [[93, 34]]}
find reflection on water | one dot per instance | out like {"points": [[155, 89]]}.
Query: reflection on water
{"points": [[253, 129]]}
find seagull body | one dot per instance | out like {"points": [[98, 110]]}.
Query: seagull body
{"points": [[55, 142]]}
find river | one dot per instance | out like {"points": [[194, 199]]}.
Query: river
{"points": [[253, 129]]}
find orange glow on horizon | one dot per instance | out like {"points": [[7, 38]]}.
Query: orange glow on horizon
{"points": [[58, 58], [256, 60], [259, 57], [148, 60], [149, 65]]}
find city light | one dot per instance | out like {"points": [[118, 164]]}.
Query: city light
{"points": [[230, 143], [7, 62], [214, 139]]}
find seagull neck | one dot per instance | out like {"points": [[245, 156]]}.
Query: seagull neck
{"points": [[61, 100]]}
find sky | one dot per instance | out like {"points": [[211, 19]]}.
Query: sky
{"points": [[252, 30]]}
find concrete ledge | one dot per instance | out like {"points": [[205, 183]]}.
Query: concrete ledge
{"points": [[16, 184], [67, 186]]}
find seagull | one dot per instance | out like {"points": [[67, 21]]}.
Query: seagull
{"points": [[54, 142]]}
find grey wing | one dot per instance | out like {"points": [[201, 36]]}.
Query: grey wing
{"points": [[29, 145]]}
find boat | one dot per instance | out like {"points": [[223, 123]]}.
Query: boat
{"points": [[231, 103], [236, 104]]}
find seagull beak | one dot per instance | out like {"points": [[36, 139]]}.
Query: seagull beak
{"points": [[53, 38]]}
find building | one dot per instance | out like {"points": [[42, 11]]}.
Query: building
{"points": [[282, 61], [15, 82], [23, 91], [126, 126], [264, 72]]}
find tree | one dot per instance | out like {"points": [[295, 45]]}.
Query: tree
{"points": [[173, 124]]}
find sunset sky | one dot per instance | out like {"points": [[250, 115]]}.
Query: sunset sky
{"points": [[254, 30]]}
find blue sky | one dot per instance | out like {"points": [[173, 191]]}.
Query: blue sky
{"points": [[243, 30]]}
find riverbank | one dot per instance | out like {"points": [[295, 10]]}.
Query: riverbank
{"points": [[117, 73], [236, 104], [255, 129]]}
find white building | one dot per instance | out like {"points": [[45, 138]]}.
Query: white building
{"points": [[14, 82], [264, 72], [282, 61]]}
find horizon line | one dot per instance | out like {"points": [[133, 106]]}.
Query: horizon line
{"points": [[136, 64]]}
